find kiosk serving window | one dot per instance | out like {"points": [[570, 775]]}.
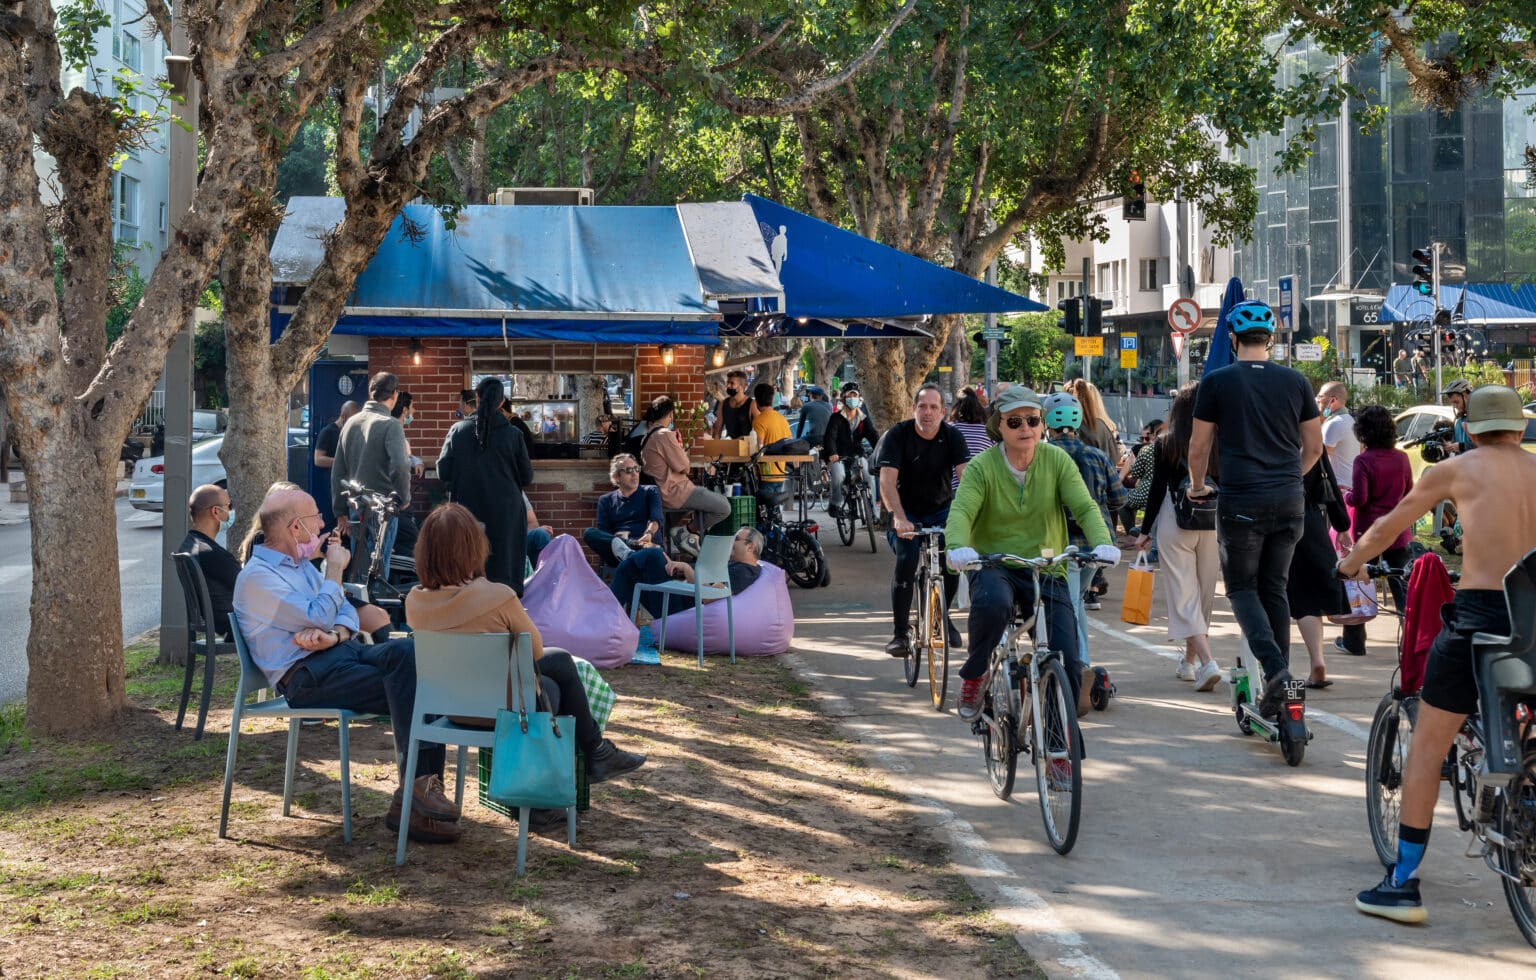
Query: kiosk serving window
{"points": [[559, 389]]}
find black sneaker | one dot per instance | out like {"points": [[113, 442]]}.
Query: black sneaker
{"points": [[609, 761], [955, 641], [1400, 903], [900, 645], [1274, 694], [1338, 644]]}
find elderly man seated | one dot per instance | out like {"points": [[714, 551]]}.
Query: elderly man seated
{"points": [[628, 518], [302, 635], [651, 566]]}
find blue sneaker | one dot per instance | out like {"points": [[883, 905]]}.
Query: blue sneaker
{"points": [[1400, 903]]}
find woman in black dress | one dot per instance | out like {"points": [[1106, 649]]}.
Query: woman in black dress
{"points": [[485, 467], [1313, 589]]}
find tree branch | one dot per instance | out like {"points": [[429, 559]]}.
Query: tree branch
{"points": [[318, 44], [754, 51]]}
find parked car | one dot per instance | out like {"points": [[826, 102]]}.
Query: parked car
{"points": [[207, 423], [147, 492], [1414, 424]]}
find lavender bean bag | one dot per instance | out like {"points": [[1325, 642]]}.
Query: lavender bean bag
{"points": [[765, 620], [574, 610]]}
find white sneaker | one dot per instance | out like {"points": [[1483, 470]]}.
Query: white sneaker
{"points": [[621, 549], [1207, 676], [1185, 671]]}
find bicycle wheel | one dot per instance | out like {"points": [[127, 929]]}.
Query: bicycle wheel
{"points": [[803, 559], [846, 521], [1515, 817], [1058, 758], [1386, 751], [912, 663], [938, 644], [867, 515]]}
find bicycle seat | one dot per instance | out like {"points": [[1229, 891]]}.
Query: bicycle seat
{"points": [[779, 497]]}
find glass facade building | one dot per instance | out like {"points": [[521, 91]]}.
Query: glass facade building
{"points": [[1367, 198]]}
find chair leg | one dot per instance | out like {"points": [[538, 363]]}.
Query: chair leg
{"points": [[293, 758], [730, 623], [186, 686], [666, 610], [524, 814], [458, 796], [698, 622], [345, 742], [570, 825], [405, 800], [202, 710], [229, 769]]}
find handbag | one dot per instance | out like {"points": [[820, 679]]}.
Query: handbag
{"points": [[1333, 498], [1136, 603], [1361, 597], [533, 760], [1193, 514]]}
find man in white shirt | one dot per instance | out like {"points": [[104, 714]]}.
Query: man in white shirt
{"points": [[1339, 440]]}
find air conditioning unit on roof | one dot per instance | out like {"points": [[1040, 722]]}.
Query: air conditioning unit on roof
{"points": [[542, 195]]}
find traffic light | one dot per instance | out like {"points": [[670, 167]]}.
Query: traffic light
{"points": [[1071, 319], [1423, 271], [1134, 206], [1094, 325], [1443, 319]]}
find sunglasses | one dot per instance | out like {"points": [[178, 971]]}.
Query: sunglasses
{"points": [[629, 469], [1015, 421]]}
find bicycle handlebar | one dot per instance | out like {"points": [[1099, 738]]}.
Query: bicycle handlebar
{"points": [[1002, 560]]}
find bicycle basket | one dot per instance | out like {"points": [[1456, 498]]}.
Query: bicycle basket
{"points": [[1506, 670]]}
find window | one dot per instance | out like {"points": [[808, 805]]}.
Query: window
{"points": [[1149, 279], [1066, 289], [1103, 279], [126, 209], [164, 216], [132, 51]]}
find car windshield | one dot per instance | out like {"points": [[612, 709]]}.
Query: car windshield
{"points": [[205, 420], [1530, 431], [207, 449]]}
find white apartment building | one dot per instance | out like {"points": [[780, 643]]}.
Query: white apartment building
{"points": [[141, 184]]}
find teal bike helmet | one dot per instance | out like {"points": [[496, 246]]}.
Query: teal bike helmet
{"points": [[1252, 315], [1062, 411]]}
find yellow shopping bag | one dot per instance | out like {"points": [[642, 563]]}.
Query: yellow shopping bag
{"points": [[1136, 606]]}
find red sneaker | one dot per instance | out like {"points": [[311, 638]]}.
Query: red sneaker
{"points": [[971, 691]]}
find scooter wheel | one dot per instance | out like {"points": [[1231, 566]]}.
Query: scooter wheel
{"points": [[1293, 742], [1102, 690], [1242, 721]]}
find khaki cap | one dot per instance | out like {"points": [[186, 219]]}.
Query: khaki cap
{"points": [[1494, 408]]}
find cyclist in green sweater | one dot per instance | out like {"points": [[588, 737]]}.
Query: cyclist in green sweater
{"points": [[1010, 501]]}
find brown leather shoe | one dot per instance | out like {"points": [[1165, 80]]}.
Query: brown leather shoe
{"points": [[423, 829], [429, 799]]}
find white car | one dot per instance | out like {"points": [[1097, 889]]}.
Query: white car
{"points": [[147, 492]]}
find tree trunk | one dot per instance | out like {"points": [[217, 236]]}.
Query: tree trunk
{"points": [[883, 380]]}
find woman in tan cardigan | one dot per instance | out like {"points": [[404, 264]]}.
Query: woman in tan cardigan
{"points": [[664, 459], [455, 597]]}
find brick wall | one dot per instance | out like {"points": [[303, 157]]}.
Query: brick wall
{"points": [[684, 380]]}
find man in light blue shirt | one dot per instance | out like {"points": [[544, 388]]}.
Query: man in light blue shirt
{"points": [[301, 630]]}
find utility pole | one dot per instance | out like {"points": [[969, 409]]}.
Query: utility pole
{"points": [[991, 338], [1435, 248], [1087, 305]]}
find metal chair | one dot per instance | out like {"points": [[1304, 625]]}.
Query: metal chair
{"points": [[468, 674], [200, 620], [253, 680], [713, 566]]}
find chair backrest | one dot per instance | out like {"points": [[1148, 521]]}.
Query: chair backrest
{"points": [[251, 677], [194, 589], [470, 673], [1520, 596], [714, 561]]}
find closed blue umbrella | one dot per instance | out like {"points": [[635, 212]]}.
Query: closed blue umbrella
{"points": [[1220, 353]]}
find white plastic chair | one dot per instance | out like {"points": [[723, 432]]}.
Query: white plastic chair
{"points": [[467, 674], [253, 680], [713, 567]]}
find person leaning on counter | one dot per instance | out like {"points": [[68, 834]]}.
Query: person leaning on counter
{"points": [[664, 459]]}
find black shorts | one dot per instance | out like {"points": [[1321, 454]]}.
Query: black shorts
{"points": [[1450, 682]]}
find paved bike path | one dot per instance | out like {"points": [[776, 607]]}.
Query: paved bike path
{"points": [[1200, 852]]}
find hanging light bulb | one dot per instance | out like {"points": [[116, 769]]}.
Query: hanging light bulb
{"points": [[719, 357], [666, 354], [416, 352]]}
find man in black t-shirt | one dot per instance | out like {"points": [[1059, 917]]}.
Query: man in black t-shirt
{"points": [[917, 459], [1264, 422], [734, 412], [326, 441]]}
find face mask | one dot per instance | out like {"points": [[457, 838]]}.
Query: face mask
{"points": [[731, 392], [309, 549], [229, 520], [407, 420], [853, 403]]}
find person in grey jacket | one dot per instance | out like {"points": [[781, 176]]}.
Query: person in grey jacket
{"points": [[373, 452]]}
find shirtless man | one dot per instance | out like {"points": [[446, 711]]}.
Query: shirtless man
{"points": [[1499, 527]]}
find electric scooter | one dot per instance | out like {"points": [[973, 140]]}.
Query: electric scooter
{"points": [[1289, 728]]}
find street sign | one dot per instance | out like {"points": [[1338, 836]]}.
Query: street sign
{"points": [[1088, 346], [1184, 315], [1287, 304], [993, 333], [945, 369], [1366, 312], [1309, 352], [1127, 358], [1281, 352], [1127, 341]]}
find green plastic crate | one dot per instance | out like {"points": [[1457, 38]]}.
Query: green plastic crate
{"points": [[483, 773], [743, 514]]}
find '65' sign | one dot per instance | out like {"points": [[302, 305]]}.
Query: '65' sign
{"points": [[1365, 312]]}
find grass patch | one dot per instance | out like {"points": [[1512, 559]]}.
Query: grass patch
{"points": [[147, 912], [13, 727], [365, 894]]}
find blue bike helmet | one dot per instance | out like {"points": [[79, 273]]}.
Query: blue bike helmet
{"points": [[1252, 315], [1062, 411]]}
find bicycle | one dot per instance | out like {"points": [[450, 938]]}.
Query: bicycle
{"points": [[1027, 683], [378, 581], [858, 504], [791, 545], [932, 634]]}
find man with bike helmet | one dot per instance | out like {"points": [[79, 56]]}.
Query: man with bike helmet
{"points": [[1263, 419], [1013, 499], [1498, 522], [1063, 418], [1456, 439]]}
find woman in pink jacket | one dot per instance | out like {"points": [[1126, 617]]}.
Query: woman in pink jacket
{"points": [[664, 459]]}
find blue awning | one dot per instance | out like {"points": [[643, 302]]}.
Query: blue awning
{"points": [[832, 274], [1478, 302]]}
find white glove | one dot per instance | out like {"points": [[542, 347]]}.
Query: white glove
{"points": [[1107, 553], [959, 557]]}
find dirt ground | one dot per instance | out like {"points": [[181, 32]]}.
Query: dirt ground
{"points": [[754, 843]]}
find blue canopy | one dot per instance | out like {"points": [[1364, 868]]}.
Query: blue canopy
{"points": [[832, 274], [1219, 353], [1478, 302]]}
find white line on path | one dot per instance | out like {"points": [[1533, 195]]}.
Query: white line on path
{"points": [[1029, 916], [1326, 717]]}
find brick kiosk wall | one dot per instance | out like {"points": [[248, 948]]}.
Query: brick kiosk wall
{"points": [[563, 492]]}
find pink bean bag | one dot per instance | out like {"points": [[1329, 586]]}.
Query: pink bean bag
{"points": [[765, 620], [575, 611]]}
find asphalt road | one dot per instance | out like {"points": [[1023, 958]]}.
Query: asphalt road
{"points": [[138, 542], [1201, 854]]}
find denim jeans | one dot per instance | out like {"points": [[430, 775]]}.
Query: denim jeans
{"points": [[1078, 580], [838, 472], [904, 577], [1257, 536], [378, 680], [995, 592], [538, 540], [601, 543]]}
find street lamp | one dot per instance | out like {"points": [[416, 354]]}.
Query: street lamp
{"points": [[416, 349], [718, 358], [666, 355]]}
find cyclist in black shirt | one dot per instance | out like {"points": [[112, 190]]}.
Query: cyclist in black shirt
{"points": [[844, 439]]}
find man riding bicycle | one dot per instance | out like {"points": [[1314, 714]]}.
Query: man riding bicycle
{"points": [[1011, 500], [1498, 518], [843, 447]]}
